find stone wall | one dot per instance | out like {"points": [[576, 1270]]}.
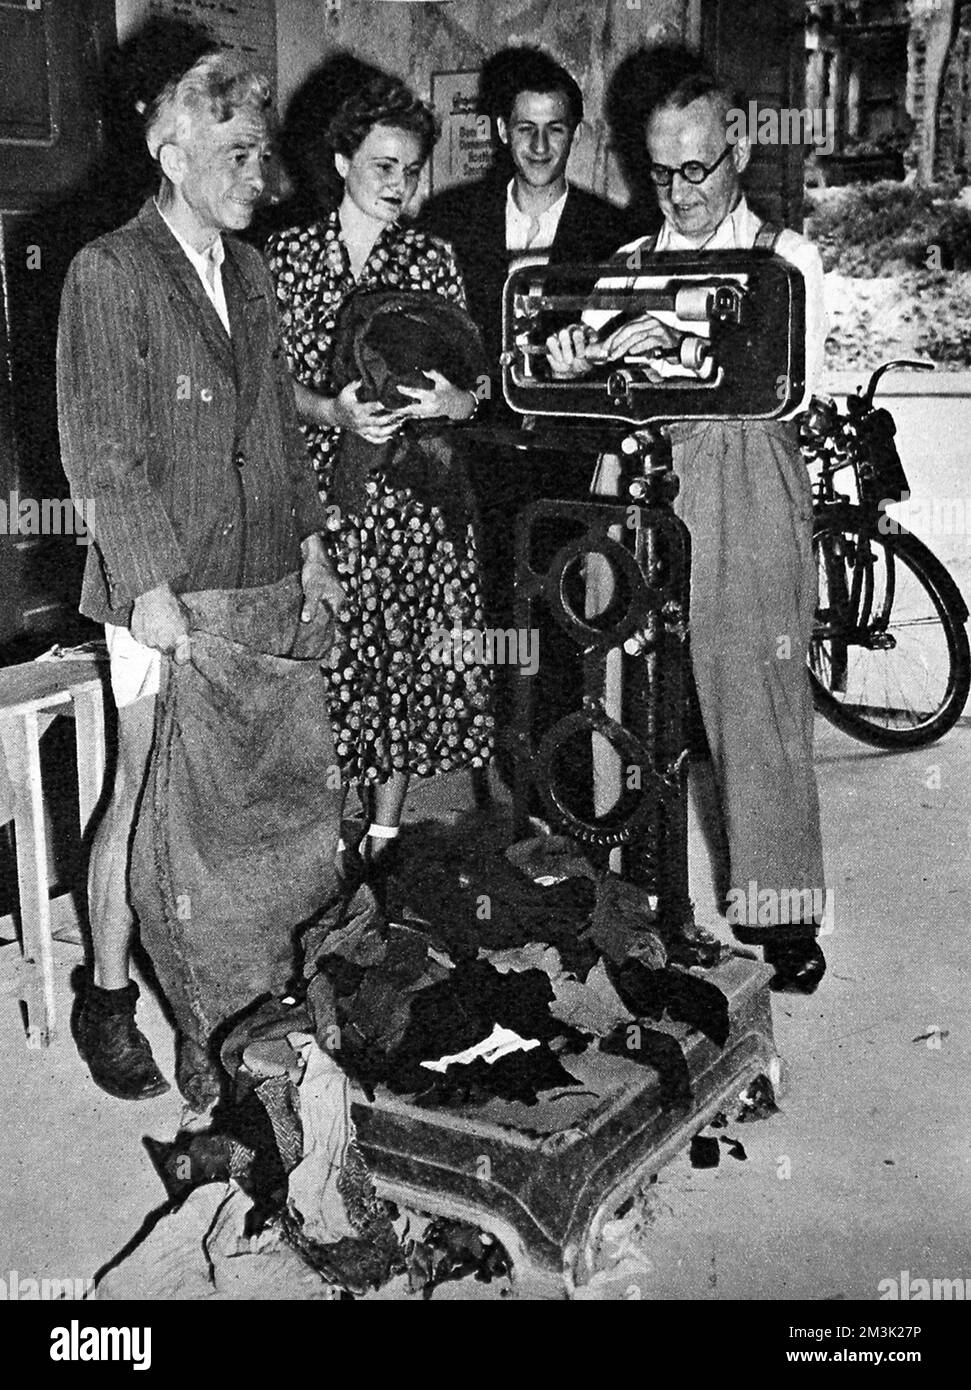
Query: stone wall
{"points": [[588, 36], [952, 155], [931, 29], [756, 46]]}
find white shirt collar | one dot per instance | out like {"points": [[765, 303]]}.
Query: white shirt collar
{"points": [[518, 223], [216, 253], [736, 231]]}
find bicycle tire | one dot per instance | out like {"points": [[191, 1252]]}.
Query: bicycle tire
{"points": [[875, 721]]}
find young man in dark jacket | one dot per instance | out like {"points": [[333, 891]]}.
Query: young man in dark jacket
{"points": [[529, 210], [536, 210]]}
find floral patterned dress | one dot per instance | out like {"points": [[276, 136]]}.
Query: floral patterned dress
{"points": [[396, 706]]}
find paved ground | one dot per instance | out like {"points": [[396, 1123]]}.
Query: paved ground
{"points": [[865, 1172]]}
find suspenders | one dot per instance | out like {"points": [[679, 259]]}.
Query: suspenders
{"points": [[765, 239], [767, 236]]}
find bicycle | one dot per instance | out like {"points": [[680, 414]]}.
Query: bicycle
{"points": [[889, 657]]}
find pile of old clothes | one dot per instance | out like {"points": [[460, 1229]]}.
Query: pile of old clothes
{"points": [[490, 967], [275, 1201], [485, 976]]}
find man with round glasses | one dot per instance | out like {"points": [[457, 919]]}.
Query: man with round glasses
{"points": [[745, 498], [693, 171]]}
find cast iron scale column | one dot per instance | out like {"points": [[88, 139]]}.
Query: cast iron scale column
{"points": [[648, 825], [739, 354]]}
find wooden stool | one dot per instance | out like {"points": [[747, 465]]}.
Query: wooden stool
{"points": [[31, 697]]}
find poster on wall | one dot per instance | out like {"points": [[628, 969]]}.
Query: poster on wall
{"points": [[464, 152], [248, 27]]}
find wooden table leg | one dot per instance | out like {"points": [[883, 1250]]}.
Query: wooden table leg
{"points": [[22, 746], [89, 721]]}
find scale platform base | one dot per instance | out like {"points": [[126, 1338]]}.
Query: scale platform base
{"points": [[544, 1178]]}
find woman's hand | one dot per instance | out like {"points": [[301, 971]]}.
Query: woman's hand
{"points": [[370, 419], [573, 351], [443, 398]]}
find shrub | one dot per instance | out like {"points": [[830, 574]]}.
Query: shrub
{"points": [[945, 311], [956, 237], [874, 229]]}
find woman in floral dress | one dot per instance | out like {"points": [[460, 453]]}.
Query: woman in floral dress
{"points": [[398, 710]]}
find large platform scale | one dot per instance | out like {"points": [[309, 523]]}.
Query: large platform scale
{"points": [[544, 1179]]}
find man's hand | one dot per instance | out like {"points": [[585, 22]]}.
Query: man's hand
{"points": [[370, 419], [573, 351], [158, 620], [443, 398], [645, 336], [322, 593]]}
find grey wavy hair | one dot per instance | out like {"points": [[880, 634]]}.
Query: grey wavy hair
{"points": [[218, 86]]}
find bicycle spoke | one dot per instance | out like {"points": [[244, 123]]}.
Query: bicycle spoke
{"points": [[896, 677]]}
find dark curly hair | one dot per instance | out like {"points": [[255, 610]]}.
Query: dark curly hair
{"points": [[526, 69], [382, 101]]}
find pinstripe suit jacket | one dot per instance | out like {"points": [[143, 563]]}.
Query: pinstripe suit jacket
{"points": [[185, 439]]}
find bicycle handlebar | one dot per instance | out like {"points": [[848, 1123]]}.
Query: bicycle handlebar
{"points": [[910, 362]]}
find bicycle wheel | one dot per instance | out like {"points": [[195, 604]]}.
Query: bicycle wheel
{"points": [[889, 658]]}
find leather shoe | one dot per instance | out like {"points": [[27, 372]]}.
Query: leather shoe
{"points": [[799, 966], [118, 1054]]}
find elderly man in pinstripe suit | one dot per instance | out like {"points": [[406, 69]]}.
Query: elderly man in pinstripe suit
{"points": [[177, 420]]}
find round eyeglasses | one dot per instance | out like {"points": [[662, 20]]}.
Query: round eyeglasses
{"points": [[692, 172]]}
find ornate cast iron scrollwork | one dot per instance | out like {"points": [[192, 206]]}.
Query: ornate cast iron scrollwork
{"points": [[646, 545], [740, 354]]}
